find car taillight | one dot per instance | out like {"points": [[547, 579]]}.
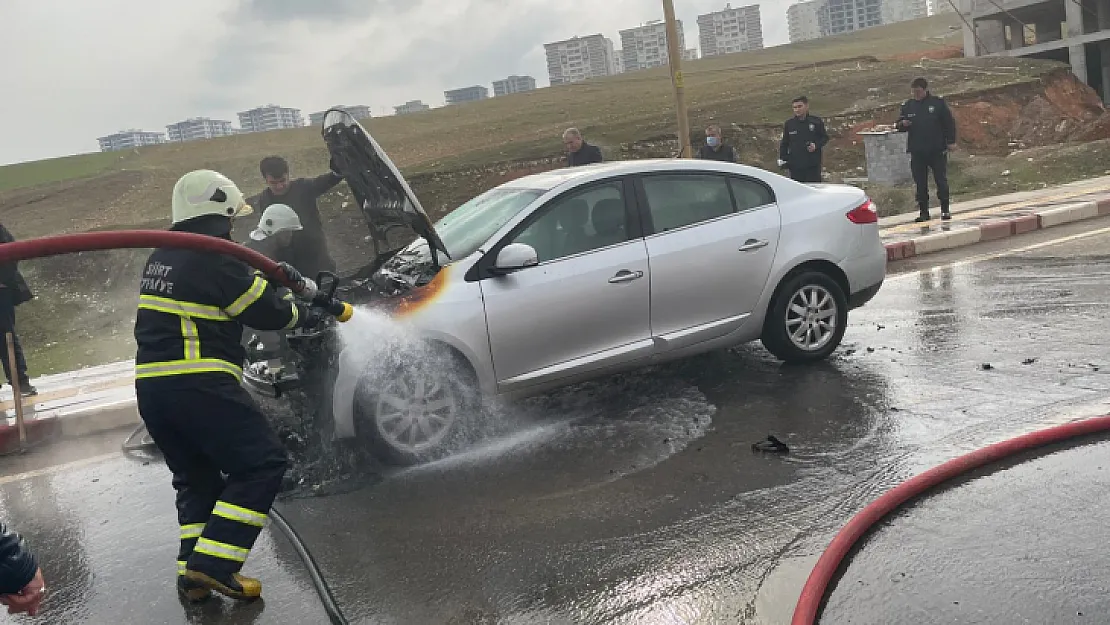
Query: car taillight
{"points": [[864, 214]]}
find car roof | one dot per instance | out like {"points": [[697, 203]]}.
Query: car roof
{"points": [[548, 180]]}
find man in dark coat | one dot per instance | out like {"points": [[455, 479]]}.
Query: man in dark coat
{"points": [[932, 135], [310, 244], [715, 148], [578, 151], [803, 140], [13, 292]]}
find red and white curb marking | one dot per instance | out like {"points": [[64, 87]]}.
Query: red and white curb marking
{"points": [[997, 229]]}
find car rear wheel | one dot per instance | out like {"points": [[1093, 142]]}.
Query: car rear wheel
{"points": [[807, 318], [422, 411]]}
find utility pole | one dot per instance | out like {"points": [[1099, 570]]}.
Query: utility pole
{"points": [[675, 56]]}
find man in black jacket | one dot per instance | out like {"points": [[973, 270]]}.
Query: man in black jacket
{"points": [[578, 151], [13, 292], [715, 148], [188, 372], [310, 244], [932, 134], [21, 583], [803, 141]]}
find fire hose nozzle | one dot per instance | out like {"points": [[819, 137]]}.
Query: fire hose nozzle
{"points": [[346, 311]]}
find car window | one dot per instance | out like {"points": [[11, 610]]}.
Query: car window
{"points": [[680, 200], [750, 194], [578, 222]]}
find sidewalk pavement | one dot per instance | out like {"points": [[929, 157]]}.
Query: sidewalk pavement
{"points": [[994, 218]]}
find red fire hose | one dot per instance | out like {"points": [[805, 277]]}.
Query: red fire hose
{"points": [[836, 554], [120, 239]]}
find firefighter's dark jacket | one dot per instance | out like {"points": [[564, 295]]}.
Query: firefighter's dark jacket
{"points": [[17, 564], [192, 309], [933, 127], [797, 134]]}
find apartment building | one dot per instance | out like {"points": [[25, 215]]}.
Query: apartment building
{"points": [[270, 117], [129, 139], [412, 106], [358, 111], [803, 22], [730, 30], [466, 94], [845, 16], [894, 11], [196, 128], [513, 84], [690, 54], [580, 58], [645, 46]]}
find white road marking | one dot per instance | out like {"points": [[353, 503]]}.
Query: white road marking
{"points": [[58, 468]]}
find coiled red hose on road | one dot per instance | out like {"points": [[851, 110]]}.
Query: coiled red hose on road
{"points": [[123, 239], [835, 555]]}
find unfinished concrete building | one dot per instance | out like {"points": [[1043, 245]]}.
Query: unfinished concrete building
{"points": [[1076, 32]]}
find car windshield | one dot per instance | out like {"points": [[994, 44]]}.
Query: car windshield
{"points": [[462, 231], [466, 228]]}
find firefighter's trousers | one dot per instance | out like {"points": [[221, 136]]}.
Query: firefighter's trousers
{"points": [[205, 433]]}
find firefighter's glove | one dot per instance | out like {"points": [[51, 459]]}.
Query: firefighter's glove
{"points": [[305, 289]]}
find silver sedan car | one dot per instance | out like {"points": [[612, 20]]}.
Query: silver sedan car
{"points": [[564, 276]]}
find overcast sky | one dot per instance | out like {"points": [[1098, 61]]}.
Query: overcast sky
{"points": [[76, 70]]}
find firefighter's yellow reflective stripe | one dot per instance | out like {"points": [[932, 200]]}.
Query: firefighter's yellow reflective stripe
{"points": [[246, 299], [191, 339], [182, 309], [182, 565], [296, 317], [193, 530], [239, 513], [221, 550], [180, 367]]}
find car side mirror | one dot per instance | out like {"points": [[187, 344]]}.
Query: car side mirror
{"points": [[514, 257]]}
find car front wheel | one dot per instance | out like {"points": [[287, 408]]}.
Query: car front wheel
{"points": [[418, 413], [807, 318]]}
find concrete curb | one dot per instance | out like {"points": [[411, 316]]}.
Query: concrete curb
{"points": [[997, 229]]}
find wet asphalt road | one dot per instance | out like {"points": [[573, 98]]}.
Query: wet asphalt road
{"points": [[638, 500]]}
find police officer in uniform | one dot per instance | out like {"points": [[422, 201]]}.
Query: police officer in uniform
{"points": [[192, 309], [932, 135], [803, 140]]}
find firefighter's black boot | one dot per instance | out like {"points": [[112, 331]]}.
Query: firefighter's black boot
{"points": [[923, 216], [231, 585], [192, 591], [944, 213]]}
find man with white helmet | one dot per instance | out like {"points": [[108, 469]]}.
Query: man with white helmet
{"points": [[192, 309], [274, 235]]}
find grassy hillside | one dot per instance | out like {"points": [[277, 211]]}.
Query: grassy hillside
{"points": [[85, 308]]}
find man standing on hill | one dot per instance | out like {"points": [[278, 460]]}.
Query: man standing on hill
{"points": [[803, 140], [578, 151], [13, 292], [932, 134], [310, 245]]}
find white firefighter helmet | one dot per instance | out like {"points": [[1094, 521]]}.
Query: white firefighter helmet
{"points": [[206, 192], [276, 218]]}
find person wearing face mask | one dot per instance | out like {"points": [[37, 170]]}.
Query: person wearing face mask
{"points": [[715, 148]]}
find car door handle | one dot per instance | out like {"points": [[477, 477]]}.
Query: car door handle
{"points": [[753, 244], [626, 276]]}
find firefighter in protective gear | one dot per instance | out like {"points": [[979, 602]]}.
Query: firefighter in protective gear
{"points": [[274, 235], [192, 309]]}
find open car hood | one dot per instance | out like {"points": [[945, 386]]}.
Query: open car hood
{"points": [[385, 198]]}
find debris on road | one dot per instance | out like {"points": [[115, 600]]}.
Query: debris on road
{"points": [[771, 445]]}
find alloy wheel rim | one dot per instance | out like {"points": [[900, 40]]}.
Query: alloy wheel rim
{"points": [[811, 317], [415, 411]]}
